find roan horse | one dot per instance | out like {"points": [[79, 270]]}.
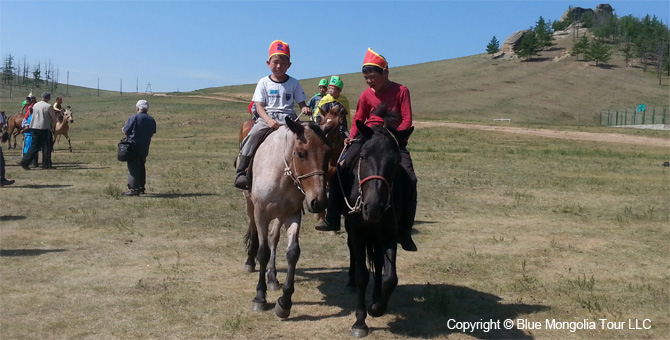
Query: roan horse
{"points": [[374, 190], [63, 126], [288, 168]]}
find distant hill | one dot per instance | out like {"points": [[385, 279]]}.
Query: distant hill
{"points": [[555, 88]]}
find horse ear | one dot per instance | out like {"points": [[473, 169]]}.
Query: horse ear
{"points": [[404, 134], [364, 129], [296, 127]]}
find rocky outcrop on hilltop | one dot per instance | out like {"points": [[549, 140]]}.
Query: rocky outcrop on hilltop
{"points": [[602, 11]]}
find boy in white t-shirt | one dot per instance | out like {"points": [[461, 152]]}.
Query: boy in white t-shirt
{"points": [[274, 96]]}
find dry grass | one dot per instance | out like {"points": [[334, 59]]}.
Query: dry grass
{"points": [[508, 225]]}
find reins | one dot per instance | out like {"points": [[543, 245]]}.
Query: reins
{"points": [[297, 179], [359, 200]]}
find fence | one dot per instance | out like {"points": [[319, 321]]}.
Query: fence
{"points": [[632, 116]]}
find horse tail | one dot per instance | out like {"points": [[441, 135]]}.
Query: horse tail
{"points": [[247, 239]]}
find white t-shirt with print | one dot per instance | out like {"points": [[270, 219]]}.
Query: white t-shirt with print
{"points": [[278, 97]]}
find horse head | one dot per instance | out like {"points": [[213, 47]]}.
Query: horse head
{"points": [[331, 125], [68, 115], [309, 162], [378, 165]]}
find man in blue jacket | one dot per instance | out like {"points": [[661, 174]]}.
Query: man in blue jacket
{"points": [[139, 128]]}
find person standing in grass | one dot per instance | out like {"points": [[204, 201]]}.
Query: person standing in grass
{"points": [[42, 126], [274, 96], [3, 181], [381, 91], [139, 129]]}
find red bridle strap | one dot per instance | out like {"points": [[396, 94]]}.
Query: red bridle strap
{"points": [[388, 186]]}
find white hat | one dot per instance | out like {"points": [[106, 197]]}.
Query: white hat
{"points": [[142, 104]]}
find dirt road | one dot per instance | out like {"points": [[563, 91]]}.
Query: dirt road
{"points": [[575, 135]]}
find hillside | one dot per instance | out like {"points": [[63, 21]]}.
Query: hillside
{"points": [[478, 89], [552, 89]]}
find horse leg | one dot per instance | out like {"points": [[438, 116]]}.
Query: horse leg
{"points": [[351, 284], [284, 303], [275, 232], [68, 141], [251, 237], [259, 302], [385, 282], [360, 329]]}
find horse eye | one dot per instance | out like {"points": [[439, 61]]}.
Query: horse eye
{"points": [[301, 155]]}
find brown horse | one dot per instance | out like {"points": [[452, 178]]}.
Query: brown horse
{"points": [[14, 128], [289, 167], [63, 126]]}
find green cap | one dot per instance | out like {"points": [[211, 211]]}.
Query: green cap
{"points": [[323, 82], [335, 80]]}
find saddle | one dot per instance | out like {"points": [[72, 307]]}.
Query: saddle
{"points": [[250, 176]]}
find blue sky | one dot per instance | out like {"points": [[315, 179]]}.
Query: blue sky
{"points": [[188, 45]]}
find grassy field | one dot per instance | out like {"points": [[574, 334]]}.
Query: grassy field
{"points": [[508, 226]]}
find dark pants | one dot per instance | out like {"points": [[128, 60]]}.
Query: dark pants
{"points": [[409, 187], [137, 174], [42, 140], [2, 164]]}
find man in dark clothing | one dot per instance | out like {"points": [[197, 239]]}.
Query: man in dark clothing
{"points": [[139, 128]]}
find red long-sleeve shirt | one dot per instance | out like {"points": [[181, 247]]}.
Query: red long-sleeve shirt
{"points": [[395, 97]]}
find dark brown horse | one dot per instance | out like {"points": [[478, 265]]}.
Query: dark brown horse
{"points": [[372, 190]]}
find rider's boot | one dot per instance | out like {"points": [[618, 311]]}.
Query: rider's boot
{"points": [[405, 226], [241, 172]]}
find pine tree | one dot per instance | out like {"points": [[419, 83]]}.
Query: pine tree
{"points": [[529, 46], [8, 70], [493, 46], [543, 33], [580, 47], [598, 51]]}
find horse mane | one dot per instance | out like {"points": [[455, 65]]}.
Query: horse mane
{"points": [[390, 117], [318, 131]]}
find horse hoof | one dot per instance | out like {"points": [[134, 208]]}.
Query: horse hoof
{"points": [[249, 268], [360, 332], [273, 286], [376, 311], [257, 306], [281, 312]]}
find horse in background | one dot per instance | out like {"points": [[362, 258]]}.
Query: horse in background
{"points": [[288, 168], [63, 126], [373, 186], [14, 128]]}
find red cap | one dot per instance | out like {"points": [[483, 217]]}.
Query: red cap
{"points": [[375, 59], [279, 47]]}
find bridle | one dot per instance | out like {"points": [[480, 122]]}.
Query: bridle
{"points": [[359, 200], [297, 178]]}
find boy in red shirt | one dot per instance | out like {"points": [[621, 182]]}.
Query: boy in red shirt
{"points": [[396, 98]]}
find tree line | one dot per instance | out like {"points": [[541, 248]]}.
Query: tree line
{"points": [[21, 73], [647, 39]]}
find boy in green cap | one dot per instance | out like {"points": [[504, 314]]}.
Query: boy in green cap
{"points": [[314, 101], [334, 97]]}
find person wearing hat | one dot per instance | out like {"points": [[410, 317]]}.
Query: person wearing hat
{"points": [[396, 98], [314, 101], [41, 126], [334, 97], [275, 96], [139, 128]]}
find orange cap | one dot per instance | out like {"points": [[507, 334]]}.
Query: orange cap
{"points": [[375, 59], [279, 47]]}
